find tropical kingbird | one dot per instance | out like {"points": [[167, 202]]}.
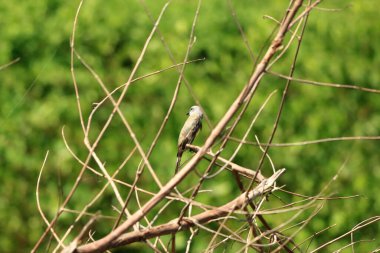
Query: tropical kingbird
{"points": [[189, 130]]}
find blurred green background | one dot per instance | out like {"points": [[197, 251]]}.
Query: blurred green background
{"points": [[38, 100]]}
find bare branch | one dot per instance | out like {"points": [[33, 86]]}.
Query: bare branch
{"points": [[9, 63], [103, 243], [202, 218]]}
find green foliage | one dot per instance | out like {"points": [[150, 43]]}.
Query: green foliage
{"points": [[38, 100]]}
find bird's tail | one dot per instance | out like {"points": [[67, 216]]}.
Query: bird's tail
{"points": [[181, 149], [177, 164]]}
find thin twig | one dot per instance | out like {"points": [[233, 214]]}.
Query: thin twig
{"points": [[201, 218], [172, 58], [363, 224], [335, 85], [75, 186], [60, 242], [10, 63], [302, 143], [103, 243]]}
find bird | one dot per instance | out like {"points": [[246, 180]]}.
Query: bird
{"points": [[189, 130]]}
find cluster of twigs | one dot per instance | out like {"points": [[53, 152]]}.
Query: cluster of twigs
{"points": [[256, 233]]}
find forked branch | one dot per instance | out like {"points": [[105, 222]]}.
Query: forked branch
{"points": [[266, 186], [105, 242]]}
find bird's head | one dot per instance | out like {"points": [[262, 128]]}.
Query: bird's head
{"points": [[195, 110]]}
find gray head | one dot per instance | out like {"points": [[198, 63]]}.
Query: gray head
{"points": [[195, 110]]}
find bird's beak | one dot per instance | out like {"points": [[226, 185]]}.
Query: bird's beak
{"points": [[187, 113]]}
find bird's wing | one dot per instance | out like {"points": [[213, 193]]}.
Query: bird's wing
{"points": [[194, 131]]}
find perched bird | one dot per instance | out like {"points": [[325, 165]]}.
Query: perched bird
{"points": [[189, 131]]}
